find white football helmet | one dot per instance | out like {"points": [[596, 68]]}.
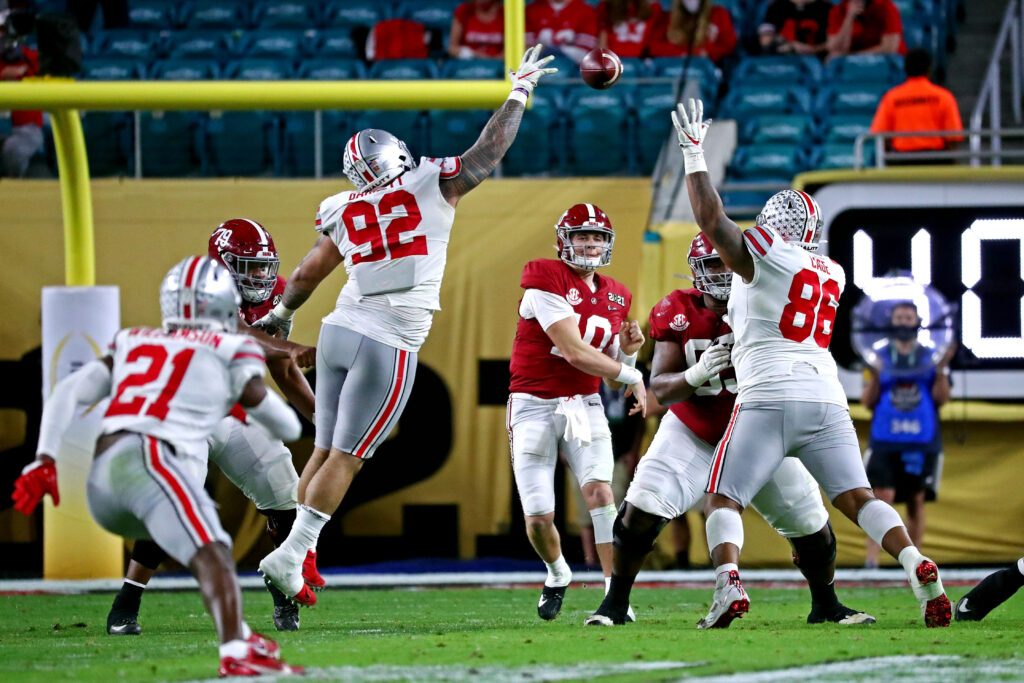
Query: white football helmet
{"points": [[200, 294], [795, 216], [374, 157]]}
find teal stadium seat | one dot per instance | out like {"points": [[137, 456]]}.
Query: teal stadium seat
{"points": [[654, 105], [153, 14], [840, 155], [452, 132], [435, 15], [779, 129], [846, 128], [406, 125], [886, 69], [241, 143], [744, 102], [331, 69], [222, 14], [297, 14], [169, 145], [403, 69], [598, 133], [349, 13], [776, 163], [740, 204], [258, 69], [787, 70], [184, 69], [334, 42], [126, 43], [206, 44], [633, 68], [297, 154], [476, 69], [100, 69], [285, 44], [534, 152], [850, 98], [106, 136], [701, 68]]}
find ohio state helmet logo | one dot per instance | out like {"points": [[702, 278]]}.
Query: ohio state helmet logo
{"points": [[573, 297], [679, 322]]}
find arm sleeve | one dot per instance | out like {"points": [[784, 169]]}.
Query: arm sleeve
{"points": [[546, 307], [248, 361], [276, 417], [88, 385]]}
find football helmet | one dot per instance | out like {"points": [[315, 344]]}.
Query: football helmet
{"points": [[584, 218], [199, 293], [702, 253], [795, 216], [247, 250], [374, 157]]}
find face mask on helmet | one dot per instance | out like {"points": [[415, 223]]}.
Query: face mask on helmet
{"points": [[199, 293], [255, 275], [711, 276], [795, 216], [247, 249], [374, 158], [585, 219], [580, 253]]}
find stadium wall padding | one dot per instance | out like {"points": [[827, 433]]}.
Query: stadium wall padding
{"points": [[144, 227]]}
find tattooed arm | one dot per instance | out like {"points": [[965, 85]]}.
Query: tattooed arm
{"points": [[482, 158]]}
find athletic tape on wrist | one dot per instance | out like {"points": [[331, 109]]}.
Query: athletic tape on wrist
{"points": [[628, 375], [283, 312], [519, 95], [694, 162]]}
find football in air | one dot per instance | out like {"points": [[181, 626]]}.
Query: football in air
{"points": [[601, 68]]}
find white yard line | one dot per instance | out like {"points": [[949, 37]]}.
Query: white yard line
{"points": [[901, 668]]}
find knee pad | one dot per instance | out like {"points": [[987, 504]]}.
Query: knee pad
{"points": [[603, 519], [148, 554], [815, 550], [636, 535], [877, 518], [536, 486], [279, 524], [724, 525]]}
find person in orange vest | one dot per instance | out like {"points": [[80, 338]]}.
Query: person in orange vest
{"points": [[918, 105]]}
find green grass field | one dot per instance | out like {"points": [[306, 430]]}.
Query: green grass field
{"points": [[494, 634]]}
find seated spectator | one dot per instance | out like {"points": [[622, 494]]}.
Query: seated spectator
{"points": [[625, 25], [865, 27], [918, 105], [694, 27], [568, 27], [478, 30], [795, 27], [397, 39], [26, 136]]}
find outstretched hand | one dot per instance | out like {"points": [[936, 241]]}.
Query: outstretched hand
{"points": [[526, 77]]}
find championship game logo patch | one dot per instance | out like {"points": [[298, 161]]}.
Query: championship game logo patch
{"points": [[277, 299], [679, 323], [573, 297]]}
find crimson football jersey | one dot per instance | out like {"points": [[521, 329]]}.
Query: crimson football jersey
{"points": [[574, 24], [681, 317], [250, 312], [537, 367]]}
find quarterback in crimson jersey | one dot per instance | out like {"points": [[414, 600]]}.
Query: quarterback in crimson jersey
{"points": [[572, 332], [693, 375], [259, 465], [790, 403]]}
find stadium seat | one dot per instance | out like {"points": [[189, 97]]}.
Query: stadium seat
{"points": [[654, 104], [364, 13], [452, 132], [297, 14], [633, 69], [98, 69], [840, 155], [222, 14], [258, 69], [334, 42], [767, 162], [744, 203], [331, 69], [284, 44], [433, 14], [241, 143], [534, 152], [211, 44], [168, 143], [751, 100], [407, 125], [153, 14], [887, 69], [788, 70], [403, 69], [478, 69], [845, 128], [598, 134], [701, 68], [184, 70], [107, 139], [297, 154], [850, 98], [126, 44], [796, 129]]}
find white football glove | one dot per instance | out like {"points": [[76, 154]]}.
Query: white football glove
{"points": [[276, 323], [525, 78], [715, 359], [691, 131]]}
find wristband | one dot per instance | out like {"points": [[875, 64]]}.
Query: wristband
{"points": [[629, 360], [695, 376], [694, 162], [519, 95], [283, 312], [629, 376]]}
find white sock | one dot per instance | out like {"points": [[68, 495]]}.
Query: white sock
{"points": [[909, 558], [236, 649], [305, 531], [607, 584], [559, 573]]}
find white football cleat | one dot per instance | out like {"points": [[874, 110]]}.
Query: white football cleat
{"points": [[285, 573], [729, 602], [930, 594]]}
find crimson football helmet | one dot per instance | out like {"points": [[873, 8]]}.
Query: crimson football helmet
{"points": [[702, 254], [248, 251], [584, 218], [373, 158], [795, 215]]}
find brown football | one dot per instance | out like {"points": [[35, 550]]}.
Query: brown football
{"points": [[600, 68]]}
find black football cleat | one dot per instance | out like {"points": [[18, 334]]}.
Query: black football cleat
{"points": [[550, 603], [286, 611], [123, 624], [606, 616], [841, 614]]}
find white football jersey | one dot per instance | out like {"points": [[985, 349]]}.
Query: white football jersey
{"points": [[178, 386], [395, 244], [783, 321]]}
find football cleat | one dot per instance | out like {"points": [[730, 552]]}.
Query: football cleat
{"points": [[255, 664], [935, 607], [263, 646], [286, 617], [550, 603], [965, 611], [286, 575], [841, 615], [310, 574], [630, 615], [123, 624], [729, 602]]}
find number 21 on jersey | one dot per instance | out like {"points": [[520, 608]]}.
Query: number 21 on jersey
{"points": [[156, 356]]}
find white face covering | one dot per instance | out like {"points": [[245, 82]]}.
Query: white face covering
{"points": [[692, 6]]}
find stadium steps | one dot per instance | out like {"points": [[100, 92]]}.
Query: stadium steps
{"points": [[967, 65]]}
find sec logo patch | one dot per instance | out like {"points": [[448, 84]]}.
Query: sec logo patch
{"points": [[573, 297], [679, 322]]}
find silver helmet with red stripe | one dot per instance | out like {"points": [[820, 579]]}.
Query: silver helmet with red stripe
{"points": [[582, 218], [795, 216], [248, 251], [710, 274], [374, 157], [199, 293]]}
